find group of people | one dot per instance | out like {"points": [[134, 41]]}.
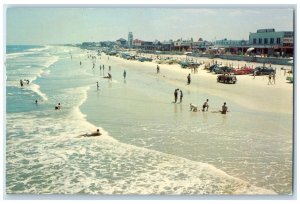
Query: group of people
{"points": [[176, 95], [57, 107], [25, 80], [194, 107]]}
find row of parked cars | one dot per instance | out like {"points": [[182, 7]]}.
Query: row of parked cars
{"points": [[228, 74]]}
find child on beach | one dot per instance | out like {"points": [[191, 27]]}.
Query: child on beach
{"points": [[193, 107]]}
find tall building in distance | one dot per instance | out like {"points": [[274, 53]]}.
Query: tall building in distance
{"points": [[130, 39]]}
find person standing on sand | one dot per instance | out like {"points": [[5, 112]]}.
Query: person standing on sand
{"points": [[181, 96], [274, 75], [189, 79], [270, 78], [254, 74], [175, 95], [109, 68], [157, 69], [124, 74], [97, 86]]}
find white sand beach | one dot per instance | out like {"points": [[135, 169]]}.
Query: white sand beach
{"points": [[253, 93]]}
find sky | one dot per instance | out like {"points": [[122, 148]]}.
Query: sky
{"points": [[40, 26]]}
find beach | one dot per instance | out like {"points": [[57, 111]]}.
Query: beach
{"points": [[149, 145]]}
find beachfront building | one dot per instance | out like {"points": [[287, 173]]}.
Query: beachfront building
{"points": [[268, 42], [238, 47], [130, 40], [157, 45], [201, 45], [137, 44], [147, 45], [183, 45], [121, 42], [167, 45]]}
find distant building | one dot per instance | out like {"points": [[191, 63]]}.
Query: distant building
{"points": [[121, 42], [230, 43], [167, 45], [147, 45], [270, 42], [137, 43], [183, 45], [130, 40]]}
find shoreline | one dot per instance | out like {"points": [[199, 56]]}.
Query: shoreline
{"points": [[247, 92]]}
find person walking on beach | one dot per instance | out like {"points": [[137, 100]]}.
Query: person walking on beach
{"points": [[181, 96], [109, 68], [254, 74], [224, 109], [205, 105], [124, 74], [175, 95], [157, 69], [189, 79], [270, 78], [97, 86]]}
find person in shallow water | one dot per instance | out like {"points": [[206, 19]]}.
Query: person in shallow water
{"points": [[93, 134], [21, 82], [224, 109], [193, 107], [205, 105], [108, 76], [57, 107]]}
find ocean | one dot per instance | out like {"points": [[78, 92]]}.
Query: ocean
{"points": [[148, 146]]}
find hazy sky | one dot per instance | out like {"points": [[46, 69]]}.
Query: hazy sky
{"points": [[76, 25]]}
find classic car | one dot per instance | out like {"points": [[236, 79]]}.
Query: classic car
{"points": [[227, 79]]}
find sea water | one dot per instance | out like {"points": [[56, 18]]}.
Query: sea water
{"points": [[149, 145]]}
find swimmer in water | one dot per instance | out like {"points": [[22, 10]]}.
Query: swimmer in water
{"points": [[93, 134]]}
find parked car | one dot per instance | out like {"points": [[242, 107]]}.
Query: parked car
{"points": [[212, 67], [263, 70], [185, 64], [142, 59], [226, 79], [222, 70], [242, 71]]}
